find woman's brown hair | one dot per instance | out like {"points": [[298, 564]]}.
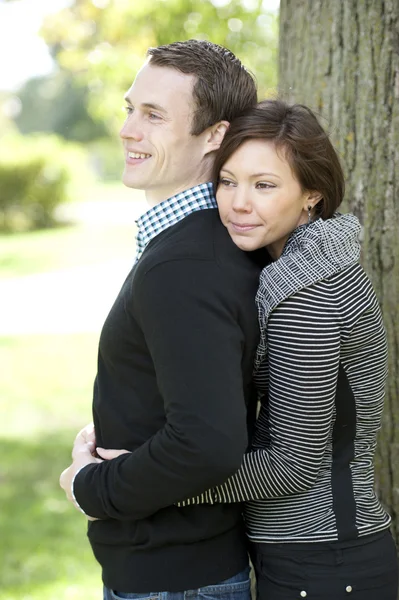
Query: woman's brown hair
{"points": [[295, 130]]}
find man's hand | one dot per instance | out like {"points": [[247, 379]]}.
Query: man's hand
{"points": [[82, 455], [86, 435]]}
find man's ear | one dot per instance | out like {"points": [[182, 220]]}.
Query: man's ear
{"points": [[215, 135]]}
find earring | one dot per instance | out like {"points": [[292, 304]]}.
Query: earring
{"points": [[309, 214]]}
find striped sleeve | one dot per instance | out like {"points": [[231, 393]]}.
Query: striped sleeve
{"points": [[294, 425]]}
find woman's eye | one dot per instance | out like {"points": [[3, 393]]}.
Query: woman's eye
{"points": [[153, 116], [225, 182], [262, 185], [128, 109]]}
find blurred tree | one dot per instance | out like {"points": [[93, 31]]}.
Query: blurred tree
{"points": [[37, 174], [103, 42], [9, 108], [57, 104], [342, 59]]}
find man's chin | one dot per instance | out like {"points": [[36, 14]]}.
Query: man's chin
{"points": [[133, 182]]}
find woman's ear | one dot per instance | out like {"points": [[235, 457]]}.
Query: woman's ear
{"points": [[215, 135], [312, 198]]}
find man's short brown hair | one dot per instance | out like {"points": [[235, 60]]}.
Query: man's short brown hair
{"points": [[223, 88]]}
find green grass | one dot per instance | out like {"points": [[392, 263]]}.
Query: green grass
{"points": [[46, 390], [40, 251], [46, 383], [45, 551]]}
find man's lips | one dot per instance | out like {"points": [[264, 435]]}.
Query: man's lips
{"points": [[133, 158], [134, 154], [243, 227]]}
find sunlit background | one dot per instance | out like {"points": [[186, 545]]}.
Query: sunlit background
{"points": [[67, 239]]}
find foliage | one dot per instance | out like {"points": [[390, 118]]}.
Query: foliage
{"points": [[103, 42], [107, 158], [77, 245], [9, 107], [35, 177], [57, 104]]}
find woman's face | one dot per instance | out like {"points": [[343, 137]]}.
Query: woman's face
{"points": [[260, 201]]}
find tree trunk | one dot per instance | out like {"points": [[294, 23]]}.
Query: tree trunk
{"points": [[341, 58]]}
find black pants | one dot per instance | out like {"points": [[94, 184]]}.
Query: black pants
{"points": [[365, 569]]}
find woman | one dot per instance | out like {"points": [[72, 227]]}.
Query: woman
{"points": [[316, 526]]}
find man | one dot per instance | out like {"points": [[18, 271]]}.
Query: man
{"points": [[175, 354]]}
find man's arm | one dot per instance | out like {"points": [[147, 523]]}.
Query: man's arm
{"points": [[190, 321]]}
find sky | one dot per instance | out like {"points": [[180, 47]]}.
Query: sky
{"points": [[26, 53]]}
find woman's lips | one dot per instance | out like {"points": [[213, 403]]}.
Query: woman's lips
{"points": [[241, 228]]}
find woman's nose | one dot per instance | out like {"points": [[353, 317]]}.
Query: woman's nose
{"points": [[241, 201]]}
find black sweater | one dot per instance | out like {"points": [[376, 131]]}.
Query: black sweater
{"points": [[174, 386]]}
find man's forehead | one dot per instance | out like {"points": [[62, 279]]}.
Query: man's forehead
{"points": [[161, 85]]}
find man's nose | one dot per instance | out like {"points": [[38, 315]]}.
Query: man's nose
{"points": [[131, 129]]}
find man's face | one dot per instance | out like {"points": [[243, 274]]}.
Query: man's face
{"points": [[161, 155]]}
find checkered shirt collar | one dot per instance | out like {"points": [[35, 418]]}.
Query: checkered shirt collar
{"points": [[171, 211]]}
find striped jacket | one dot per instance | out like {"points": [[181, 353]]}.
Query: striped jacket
{"points": [[320, 368]]}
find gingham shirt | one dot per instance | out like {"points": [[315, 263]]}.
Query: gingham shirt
{"points": [[171, 211]]}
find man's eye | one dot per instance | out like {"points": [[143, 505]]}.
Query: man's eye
{"points": [[153, 116], [128, 109]]}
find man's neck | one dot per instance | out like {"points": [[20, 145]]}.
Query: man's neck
{"points": [[154, 197]]}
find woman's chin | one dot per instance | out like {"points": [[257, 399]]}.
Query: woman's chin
{"points": [[247, 245]]}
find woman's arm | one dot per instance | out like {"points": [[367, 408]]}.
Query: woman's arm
{"points": [[294, 429]]}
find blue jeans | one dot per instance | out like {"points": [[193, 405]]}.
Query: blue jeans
{"points": [[235, 588]]}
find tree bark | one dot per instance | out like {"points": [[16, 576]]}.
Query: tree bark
{"points": [[341, 58]]}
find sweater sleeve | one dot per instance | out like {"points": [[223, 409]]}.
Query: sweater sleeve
{"points": [[293, 427], [190, 319]]}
